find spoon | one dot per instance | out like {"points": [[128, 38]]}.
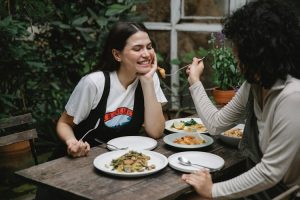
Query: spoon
{"points": [[116, 148], [186, 162]]}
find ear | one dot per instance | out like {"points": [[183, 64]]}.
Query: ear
{"points": [[116, 55]]}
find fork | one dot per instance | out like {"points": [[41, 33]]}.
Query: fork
{"points": [[96, 125], [107, 144], [182, 68]]}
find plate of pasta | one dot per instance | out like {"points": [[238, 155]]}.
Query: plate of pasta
{"points": [[130, 163], [188, 140], [181, 125]]}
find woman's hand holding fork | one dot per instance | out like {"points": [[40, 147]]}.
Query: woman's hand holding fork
{"points": [[77, 148]]}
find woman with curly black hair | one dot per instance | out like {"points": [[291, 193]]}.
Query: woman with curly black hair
{"points": [[266, 38]]}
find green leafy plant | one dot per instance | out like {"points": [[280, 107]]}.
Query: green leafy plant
{"points": [[40, 70], [224, 64]]}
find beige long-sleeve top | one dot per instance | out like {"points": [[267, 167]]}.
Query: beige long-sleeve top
{"points": [[279, 135]]}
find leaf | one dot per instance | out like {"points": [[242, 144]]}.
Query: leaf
{"points": [[79, 21], [115, 9], [61, 25], [54, 85], [36, 64], [87, 30], [232, 68], [175, 61]]}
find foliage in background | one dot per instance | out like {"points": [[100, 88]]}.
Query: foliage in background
{"points": [[226, 72], [39, 71], [183, 87], [219, 56]]}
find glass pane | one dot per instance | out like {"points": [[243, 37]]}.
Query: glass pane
{"points": [[155, 13], [217, 8], [189, 45]]}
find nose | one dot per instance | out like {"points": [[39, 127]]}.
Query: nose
{"points": [[146, 53]]}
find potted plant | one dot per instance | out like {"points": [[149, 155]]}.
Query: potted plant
{"points": [[226, 75]]}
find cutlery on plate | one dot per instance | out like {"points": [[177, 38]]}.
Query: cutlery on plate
{"points": [[200, 136], [96, 125], [107, 144], [186, 162]]}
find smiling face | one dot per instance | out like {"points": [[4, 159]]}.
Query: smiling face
{"points": [[137, 55]]}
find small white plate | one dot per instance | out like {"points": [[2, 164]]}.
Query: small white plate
{"points": [[233, 141], [201, 158], [169, 124], [133, 142], [169, 139], [102, 162]]}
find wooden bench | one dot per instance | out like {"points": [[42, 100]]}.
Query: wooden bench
{"points": [[14, 123], [288, 194]]}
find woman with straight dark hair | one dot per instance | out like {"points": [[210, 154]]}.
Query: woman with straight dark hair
{"points": [[120, 95], [266, 38]]}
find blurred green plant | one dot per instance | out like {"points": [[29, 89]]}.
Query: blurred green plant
{"points": [[46, 47], [226, 72]]}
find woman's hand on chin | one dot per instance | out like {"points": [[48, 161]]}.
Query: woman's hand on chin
{"points": [[149, 74]]}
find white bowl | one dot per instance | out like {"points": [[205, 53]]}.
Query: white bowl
{"points": [[233, 141]]}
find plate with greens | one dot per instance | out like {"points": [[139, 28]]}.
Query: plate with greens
{"points": [[185, 125], [130, 163]]}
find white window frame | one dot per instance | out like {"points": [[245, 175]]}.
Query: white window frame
{"points": [[177, 13]]}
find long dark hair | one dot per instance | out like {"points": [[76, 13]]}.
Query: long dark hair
{"points": [[266, 34], [116, 39]]}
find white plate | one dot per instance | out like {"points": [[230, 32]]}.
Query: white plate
{"points": [[169, 139], [102, 162], [133, 142], [201, 158], [233, 141], [169, 124]]}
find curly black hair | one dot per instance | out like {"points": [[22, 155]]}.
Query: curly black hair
{"points": [[266, 35]]}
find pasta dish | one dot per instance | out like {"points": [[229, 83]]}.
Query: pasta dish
{"points": [[132, 162], [189, 126], [189, 140], [236, 132]]}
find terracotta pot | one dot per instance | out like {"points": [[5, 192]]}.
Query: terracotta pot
{"points": [[16, 148], [15, 156], [222, 97]]}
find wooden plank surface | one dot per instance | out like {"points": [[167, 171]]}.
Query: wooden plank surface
{"points": [[16, 120], [18, 137], [78, 179]]}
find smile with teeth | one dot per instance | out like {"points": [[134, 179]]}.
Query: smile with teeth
{"points": [[146, 62]]}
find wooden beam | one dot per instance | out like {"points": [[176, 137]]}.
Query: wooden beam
{"points": [[18, 137], [15, 121]]}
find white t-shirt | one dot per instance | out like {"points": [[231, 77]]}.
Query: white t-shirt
{"points": [[120, 102]]}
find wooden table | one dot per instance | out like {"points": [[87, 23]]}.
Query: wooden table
{"points": [[78, 179]]}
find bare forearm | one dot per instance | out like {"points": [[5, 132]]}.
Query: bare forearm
{"points": [[154, 119], [64, 128], [65, 132]]}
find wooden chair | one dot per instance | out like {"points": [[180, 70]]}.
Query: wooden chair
{"points": [[288, 194], [14, 123]]}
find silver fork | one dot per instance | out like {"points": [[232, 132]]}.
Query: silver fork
{"points": [[116, 148], [96, 125], [182, 68]]}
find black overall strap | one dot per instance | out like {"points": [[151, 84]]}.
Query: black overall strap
{"points": [[94, 115], [61, 148], [106, 133], [101, 107]]}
